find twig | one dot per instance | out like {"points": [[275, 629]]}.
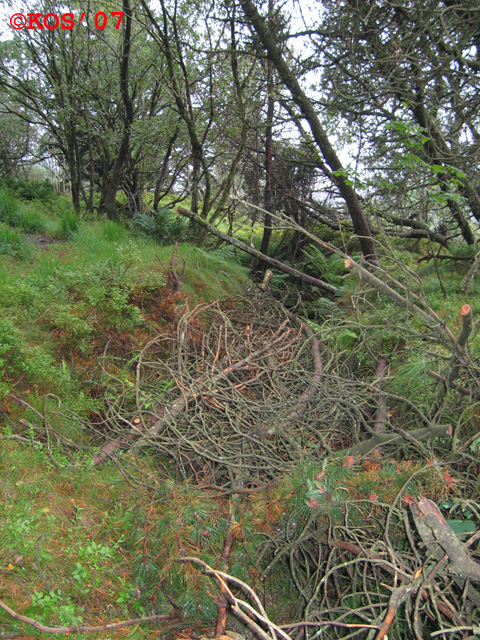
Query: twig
{"points": [[235, 603], [81, 628], [381, 417], [323, 286], [463, 390]]}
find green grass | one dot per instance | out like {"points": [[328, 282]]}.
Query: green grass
{"points": [[61, 538], [69, 535], [12, 243], [68, 225], [9, 206], [61, 302], [19, 214]]}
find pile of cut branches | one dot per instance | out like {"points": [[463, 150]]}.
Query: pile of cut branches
{"points": [[238, 392], [235, 394]]}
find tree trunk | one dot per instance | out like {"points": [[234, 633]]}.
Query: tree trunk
{"points": [[122, 154], [163, 170], [338, 174], [268, 200], [73, 173]]}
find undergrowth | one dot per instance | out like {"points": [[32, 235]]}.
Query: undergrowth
{"points": [[81, 545]]}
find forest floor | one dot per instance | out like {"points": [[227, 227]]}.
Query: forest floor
{"points": [[143, 425]]}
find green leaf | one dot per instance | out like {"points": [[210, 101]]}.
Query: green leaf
{"points": [[461, 526]]}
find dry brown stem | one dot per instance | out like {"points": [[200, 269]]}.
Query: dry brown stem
{"points": [[101, 628]]}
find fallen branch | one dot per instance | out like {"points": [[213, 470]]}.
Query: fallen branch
{"points": [[468, 280], [381, 418], [171, 411], [167, 414], [47, 429], [323, 286], [312, 387], [410, 301], [466, 313], [72, 628], [235, 603], [259, 613], [175, 280], [222, 602], [457, 359], [426, 513], [380, 439], [399, 595], [463, 390]]}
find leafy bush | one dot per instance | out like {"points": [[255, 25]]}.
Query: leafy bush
{"points": [[30, 190], [329, 268], [163, 226], [54, 604], [18, 359], [144, 223], [69, 224]]}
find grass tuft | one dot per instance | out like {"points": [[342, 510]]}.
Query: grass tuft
{"points": [[12, 244], [69, 225], [9, 206]]}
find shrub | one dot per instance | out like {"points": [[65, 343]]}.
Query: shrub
{"points": [[163, 226], [144, 223], [30, 190]]}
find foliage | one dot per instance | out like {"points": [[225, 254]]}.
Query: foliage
{"points": [[13, 213], [113, 231], [163, 226], [290, 439], [12, 243], [68, 225], [9, 207], [31, 221], [329, 268], [54, 605], [30, 189]]}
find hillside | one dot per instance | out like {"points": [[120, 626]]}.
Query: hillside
{"points": [[154, 425]]}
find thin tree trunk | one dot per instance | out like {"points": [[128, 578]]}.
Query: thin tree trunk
{"points": [[268, 199], [164, 167], [338, 174], [72, 170], [122, 154]]}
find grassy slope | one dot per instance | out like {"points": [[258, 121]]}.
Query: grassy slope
{"points": [[67, 540]]}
